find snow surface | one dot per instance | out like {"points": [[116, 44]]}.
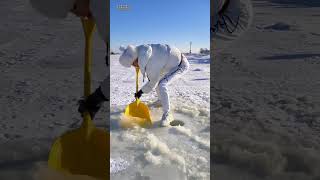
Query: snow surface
{"points": [[265, 96], [163, 153]]}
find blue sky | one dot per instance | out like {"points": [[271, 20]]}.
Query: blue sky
{"points": [[175, 22]]}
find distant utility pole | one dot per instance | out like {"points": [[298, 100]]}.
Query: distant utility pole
{"points": [[190, 47]]}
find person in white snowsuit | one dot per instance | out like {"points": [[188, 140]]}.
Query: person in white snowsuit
{"points": [[93, 9], [160, 64], [229, 19]]}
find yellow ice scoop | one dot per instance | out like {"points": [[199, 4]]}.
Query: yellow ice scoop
{"points": [[83, 151], [136, 113]]}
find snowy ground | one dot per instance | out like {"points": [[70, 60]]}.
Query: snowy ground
{"points": [[163, 153], [266, 98]]}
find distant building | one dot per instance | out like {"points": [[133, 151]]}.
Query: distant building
{"points": [[204, 51]]}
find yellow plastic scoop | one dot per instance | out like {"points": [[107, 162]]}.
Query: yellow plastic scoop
{"points": [[136, 113], [83, 151]]}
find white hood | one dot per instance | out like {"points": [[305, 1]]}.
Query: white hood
{"points": [[128, 56]]}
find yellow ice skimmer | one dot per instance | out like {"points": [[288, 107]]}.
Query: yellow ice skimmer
{"points": [[137, 113], [83, 151]]}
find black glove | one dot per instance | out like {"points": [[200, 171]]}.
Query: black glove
{"points": [[138, 94], [92, 103]]}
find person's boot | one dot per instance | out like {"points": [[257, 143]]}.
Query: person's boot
{"points": [[166, 119]]}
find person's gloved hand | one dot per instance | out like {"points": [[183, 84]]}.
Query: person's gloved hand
{"points": [[138, 94], [92, 103]]}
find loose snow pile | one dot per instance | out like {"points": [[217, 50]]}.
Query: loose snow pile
{"points": [[117, 165], [163, 153]]}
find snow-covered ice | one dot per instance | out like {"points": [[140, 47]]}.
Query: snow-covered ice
{"points": [[177, 152], [265, 96]]}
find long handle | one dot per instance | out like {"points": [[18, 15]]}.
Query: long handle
{"points": [[88, 27], [137, 80]]}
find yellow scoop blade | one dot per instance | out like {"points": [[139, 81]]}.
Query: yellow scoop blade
{"points": [[83, 151], [136, 113]]}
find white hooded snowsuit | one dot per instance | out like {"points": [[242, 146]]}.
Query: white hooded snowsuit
{"points": [[230, 19], [160, 64]]}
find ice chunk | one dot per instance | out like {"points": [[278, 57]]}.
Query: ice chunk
{"points": [[117, 165]]}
